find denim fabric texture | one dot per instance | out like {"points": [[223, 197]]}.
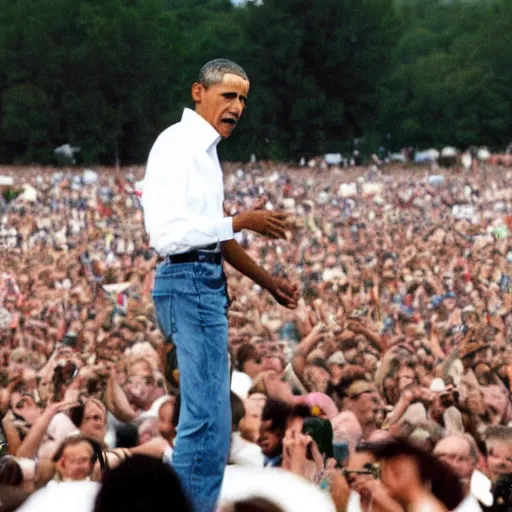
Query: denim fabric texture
{"points": [[191, 304]]}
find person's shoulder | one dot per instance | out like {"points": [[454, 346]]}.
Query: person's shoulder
{"points": [[172, 145], [169, 139], [177, 137]]}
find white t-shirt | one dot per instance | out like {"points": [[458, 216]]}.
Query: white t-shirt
{"points": [[245, 453], [63, 497], [290, 492], [240, 384], [470, 504]]}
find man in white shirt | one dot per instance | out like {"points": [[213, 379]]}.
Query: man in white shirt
{"points": [[183, 212]]}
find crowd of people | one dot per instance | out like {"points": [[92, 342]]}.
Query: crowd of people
{"points": [[388, 388]]}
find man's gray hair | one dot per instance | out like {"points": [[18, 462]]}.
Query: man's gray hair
{"points": [[473, 447], [498, 433], [470, 440], [213, 72]]}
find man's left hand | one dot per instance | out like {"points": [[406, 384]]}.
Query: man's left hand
{"points": [[285, 293]]}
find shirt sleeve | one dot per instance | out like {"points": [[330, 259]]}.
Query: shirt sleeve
{"points": [[171, 228]]}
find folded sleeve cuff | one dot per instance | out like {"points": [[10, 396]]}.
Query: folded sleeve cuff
{"points": [[225, 229]]}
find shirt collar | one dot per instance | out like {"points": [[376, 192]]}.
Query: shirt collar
{"points": [[205, 134], [273, 461]]}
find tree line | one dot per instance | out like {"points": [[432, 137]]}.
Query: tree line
{"points": [[109, 75]]}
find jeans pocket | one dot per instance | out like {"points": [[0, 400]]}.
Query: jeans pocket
{"points": [[165, 315]]}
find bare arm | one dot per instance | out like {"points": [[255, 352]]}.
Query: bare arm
{"points": [[31, 444], [435, 345], [235, 255], [285, 293], [11, 435], [117, 402], [304, 348], [374, 338]]}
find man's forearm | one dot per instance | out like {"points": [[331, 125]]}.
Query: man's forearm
{"points": [[235, 255]]}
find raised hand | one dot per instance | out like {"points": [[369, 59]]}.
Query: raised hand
{"points": [[294, 451]]}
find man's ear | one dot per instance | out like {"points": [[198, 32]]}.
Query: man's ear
{"points": [[197, 92], [60, 465]]}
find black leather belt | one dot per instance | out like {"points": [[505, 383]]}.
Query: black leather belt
{"points": [[198, 255]]}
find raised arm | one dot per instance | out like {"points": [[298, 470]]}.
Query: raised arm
{"points": [[374, 338], [304, 348], [117, 402], [31, 444]]}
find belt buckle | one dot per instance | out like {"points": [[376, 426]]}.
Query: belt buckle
{"points": [[201, 256]]}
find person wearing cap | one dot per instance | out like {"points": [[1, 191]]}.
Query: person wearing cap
{"points": [[184, 218], [362, 398]]}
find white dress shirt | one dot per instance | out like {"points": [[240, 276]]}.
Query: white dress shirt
{"points": [[183, 193]]}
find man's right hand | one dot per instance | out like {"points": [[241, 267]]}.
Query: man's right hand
{"points": [[285, 293], [266, 223]]}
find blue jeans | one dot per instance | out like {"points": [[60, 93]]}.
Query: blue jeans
{"points": [[191, 305]]}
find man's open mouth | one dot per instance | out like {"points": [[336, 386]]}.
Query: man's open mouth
{"points": [[230, 120]]}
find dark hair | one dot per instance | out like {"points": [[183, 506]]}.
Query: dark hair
{"points": [[278, 412], [321, 432], [141, 483], [350, 344], [246, 352], [351, 373], [445, 484], [10, 472], [237, 410], [127, 436], [301, 411], [74, 440], [256, 505]]}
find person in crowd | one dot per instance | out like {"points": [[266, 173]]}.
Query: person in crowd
{"points": [[75, 459], [461, 453], [415, 478]]}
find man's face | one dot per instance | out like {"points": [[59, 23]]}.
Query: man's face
{"points": [[357, 462], [94, 423], [76, 462], [166, 427], [272, 363], [496, 400], [365, 406], [499, 459], [140, 390], [222, 104], [319, 378], [405, 377], [456, 452], [270, 441]]}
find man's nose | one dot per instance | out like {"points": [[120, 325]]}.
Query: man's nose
{"points": [[237, 107]]}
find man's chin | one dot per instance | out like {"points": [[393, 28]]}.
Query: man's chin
{"points": [[225, 134], [225, 130]]}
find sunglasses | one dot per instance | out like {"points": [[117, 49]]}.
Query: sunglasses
{"points": [[368, 469], [355, 396]]}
